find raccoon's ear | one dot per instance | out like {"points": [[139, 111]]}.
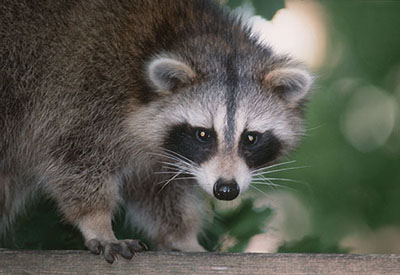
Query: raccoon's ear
{"points": [[166, 73], [291, 84]]}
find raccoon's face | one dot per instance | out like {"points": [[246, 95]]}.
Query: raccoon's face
{"points": [[220, 129]]}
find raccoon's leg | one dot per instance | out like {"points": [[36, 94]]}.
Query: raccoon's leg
{"points": [[88, 202], [6, 200], [99, 238], [171, 217], [13, 196]]}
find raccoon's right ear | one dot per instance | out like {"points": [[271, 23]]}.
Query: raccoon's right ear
{"points": [[291, 84], [166, 73]]}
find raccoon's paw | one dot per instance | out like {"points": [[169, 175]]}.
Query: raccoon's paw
{"points": [[110, 249]]}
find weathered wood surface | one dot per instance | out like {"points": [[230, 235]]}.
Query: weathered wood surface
{"points": [[82, 262]]}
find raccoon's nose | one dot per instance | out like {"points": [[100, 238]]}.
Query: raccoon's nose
{"points": [[226, 190]]}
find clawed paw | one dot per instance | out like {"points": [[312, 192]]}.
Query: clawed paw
{"points": [[110, 249]]}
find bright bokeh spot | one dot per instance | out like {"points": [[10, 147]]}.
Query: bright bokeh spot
{"points": [[369, 119], [298, 30]]}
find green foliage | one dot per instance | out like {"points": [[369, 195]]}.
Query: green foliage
{"points": [[231, 230], [41, 228], [267, 8], [350, 186]]}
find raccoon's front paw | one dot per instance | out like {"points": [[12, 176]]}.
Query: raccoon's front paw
{"points": [[110, 249]]}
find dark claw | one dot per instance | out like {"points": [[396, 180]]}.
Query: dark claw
{"points": [[136, 246], [145, 247], [109, 254], [94, 246], [122, 249], [125, 248]]}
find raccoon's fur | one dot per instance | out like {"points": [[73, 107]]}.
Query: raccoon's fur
{"points": [[137, 103]]}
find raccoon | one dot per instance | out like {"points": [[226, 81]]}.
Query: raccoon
{"points": [[148, 105]]}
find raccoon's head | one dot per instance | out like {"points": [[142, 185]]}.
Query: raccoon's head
{"points": [[221, 122]]}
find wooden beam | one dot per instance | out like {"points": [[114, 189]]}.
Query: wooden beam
{"points": [[160, 263]]}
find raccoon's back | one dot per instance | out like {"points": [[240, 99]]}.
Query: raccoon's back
{"points": [[53, 44], [27, 30], [74, 68]]}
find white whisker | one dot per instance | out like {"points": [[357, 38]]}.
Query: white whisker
{"points": [[175, 179], [274, 165], [166, 156], [315, 128], [168, 181], [177, 158], [283, 169], [289, 168], [259, 190], [303, 183], [172, 153], [171, 168], [174, 165], [283, 179], [273, 185], [171, 172]]}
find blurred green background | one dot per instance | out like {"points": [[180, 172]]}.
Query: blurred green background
{"points": [[351, 189]]}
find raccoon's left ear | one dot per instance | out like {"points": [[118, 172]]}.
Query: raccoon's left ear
{"points": [[291, 84], [166, 73]]}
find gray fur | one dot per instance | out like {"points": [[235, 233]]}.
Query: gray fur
{"points": [[82, 118], [231, 83]]}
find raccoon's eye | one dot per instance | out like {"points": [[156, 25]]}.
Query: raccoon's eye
{"points": [[250, 138], [202, 135]]}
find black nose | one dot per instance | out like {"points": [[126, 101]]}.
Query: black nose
{"points": [[226, 190]]}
